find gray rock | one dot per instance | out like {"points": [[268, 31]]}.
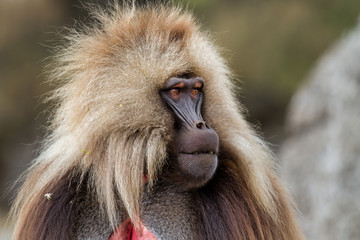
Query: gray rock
{"points": [[320, 160]]}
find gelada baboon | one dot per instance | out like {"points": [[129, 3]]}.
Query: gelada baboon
{"points": [[147, 137]]}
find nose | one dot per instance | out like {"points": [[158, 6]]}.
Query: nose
{"points": [[200, 124]]}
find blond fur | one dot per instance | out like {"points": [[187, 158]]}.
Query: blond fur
{"points": [[110, 116]]}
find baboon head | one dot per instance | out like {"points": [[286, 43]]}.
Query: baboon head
{"points": [[193, 152]]}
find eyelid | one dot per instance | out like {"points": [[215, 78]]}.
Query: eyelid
{"points": [[199, 85]]}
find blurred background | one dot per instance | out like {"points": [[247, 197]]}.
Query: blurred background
{"points": [[272, 46]]}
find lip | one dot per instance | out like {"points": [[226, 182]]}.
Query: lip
{"points": [[200, 166], [198, 158], [200, 152]]}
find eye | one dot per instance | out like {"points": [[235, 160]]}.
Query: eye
{"points": [[175, 91], [195, 91]]}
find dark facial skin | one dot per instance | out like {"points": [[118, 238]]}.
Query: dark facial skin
{"points": [[193, 153]]}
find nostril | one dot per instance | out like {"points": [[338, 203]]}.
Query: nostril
{"points": [[200, 125]]}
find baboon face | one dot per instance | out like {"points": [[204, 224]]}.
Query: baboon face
{"points": [[193, 152]]}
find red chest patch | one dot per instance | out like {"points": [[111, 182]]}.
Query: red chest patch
{"points": [[126, 231]]}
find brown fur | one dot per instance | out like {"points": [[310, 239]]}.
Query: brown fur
{"points": [[111, 125]]}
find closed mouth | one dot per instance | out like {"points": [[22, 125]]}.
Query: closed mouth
{"points": [[200, 152]]}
